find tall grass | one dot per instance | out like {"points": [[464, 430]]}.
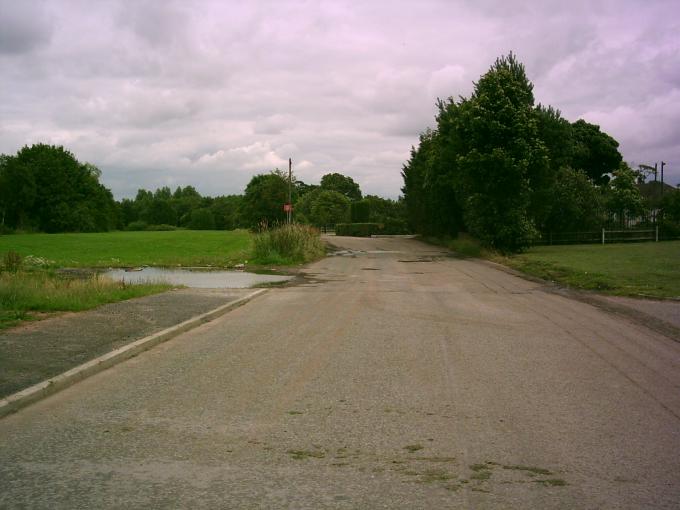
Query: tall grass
{"points": [[23, 292], [288, 244]]}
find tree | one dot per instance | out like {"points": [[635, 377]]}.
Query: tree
{"points": [[360, 211], [303, 207], [48, 189], [623, 196], [342, 184], [227, 212], [595, 152], [160, 212], [17, 194], [502, 157], [576, 203], [264, 198], [202, 219], [329, 208]]}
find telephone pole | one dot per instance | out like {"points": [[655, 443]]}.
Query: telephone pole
{"points": [[290, 190], [663, 164]]}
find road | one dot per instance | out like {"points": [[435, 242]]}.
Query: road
{"points": [[393, 377]]}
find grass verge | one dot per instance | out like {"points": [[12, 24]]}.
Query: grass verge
{"points": [[640, 270], [650, 270], [24, 295], [288, 244], [125, 249]]}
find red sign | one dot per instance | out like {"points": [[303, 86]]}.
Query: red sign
{"points": [[287, 207]]}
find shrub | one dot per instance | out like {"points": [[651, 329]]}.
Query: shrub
{"points": [[136, 225], [395, 227], [163, 227], [12, 261], [357, 229], [288, 244]]}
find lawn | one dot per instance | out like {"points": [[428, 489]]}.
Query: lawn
{"points": [[643, 269], [35, 288], [124, 249]]}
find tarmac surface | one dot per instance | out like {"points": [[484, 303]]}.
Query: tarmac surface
{"points": [[393, 377], [36, 351]]}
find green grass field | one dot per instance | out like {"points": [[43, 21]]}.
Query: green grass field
{"points": [[644, 269], [124, 249]]}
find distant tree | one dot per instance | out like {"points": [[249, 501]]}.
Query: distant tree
{"points": [[623, 196], [160, 212], [202, 219], [128, 212], [576, 203], [303, 207], [227, 212], [302, 189], [595, 152], [669, 216], [342, 184], [329, 208], [360, 211], [48, 189], [17, 194], [264, 198]]}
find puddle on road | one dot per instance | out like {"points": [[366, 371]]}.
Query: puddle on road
{"points": [[196, 278]]}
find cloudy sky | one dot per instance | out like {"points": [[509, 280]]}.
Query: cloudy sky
{"points": [[210, 93]]}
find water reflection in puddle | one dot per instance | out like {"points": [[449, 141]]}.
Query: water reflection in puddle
{"points": [[201, 279]]}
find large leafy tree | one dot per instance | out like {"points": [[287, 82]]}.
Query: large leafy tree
{"points": [[595, 152], [330, 207], [503, 157], [263, 200], [342, 184], [53, 192]]}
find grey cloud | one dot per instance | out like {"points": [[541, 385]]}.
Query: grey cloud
{"points": [[210, 93], [24, 26]]}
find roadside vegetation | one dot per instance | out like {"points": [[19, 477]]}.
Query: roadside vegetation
{"points": [[628, 269], [129, 249], [28, 292], [288, 244], [644, 269], [511, 172]]}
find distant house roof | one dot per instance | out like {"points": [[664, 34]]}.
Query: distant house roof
{"points": [[652, 190]]}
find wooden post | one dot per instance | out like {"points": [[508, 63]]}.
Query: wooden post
{"points": [[290, 190], [603, 235]]}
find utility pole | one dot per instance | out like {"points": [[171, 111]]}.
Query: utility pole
{"points": [[290, 190], [663, 164]]}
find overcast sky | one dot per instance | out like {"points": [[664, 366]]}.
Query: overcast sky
{"points": [[208, 94]]}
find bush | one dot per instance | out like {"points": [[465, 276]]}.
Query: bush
{"points": [[394, 226], [357, 229], [288, 244], [136, 226], [12, 261], [163, 227]]}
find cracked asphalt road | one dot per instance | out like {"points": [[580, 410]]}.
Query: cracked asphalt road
{"points": [[395, 377]]}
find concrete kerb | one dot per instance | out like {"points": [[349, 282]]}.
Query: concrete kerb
{"points": [[23, 398]]}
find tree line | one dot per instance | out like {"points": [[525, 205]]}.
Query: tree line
{"points": [[45, 188], [508, 171]]}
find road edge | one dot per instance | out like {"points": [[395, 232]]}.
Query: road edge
{"points": [[44, 389], [597, 300]]}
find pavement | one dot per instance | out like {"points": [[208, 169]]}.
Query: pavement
{"points": [[37, 351], [394, 376]]}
